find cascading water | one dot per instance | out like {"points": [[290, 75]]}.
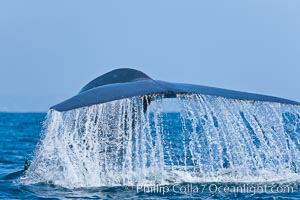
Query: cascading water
{"points": [[209, 139]]}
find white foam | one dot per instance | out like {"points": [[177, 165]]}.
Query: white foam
{"points": [[116, 143]]}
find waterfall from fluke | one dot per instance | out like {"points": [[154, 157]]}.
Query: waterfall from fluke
{"points": [[216, 135]]}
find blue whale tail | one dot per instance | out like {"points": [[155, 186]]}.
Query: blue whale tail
{"points": [[125, 83]]}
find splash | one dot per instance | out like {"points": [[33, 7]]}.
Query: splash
{"points": [[209, 139]]}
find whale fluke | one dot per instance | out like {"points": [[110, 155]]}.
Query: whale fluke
{"points": [[126, 83]]}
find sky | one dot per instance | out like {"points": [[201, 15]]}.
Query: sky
{"points": [[50, 49]]}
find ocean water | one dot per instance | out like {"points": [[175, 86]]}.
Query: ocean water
{"points": [[210, 148]]}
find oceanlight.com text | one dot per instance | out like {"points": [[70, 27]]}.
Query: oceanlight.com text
{"points": [[212, 188]]}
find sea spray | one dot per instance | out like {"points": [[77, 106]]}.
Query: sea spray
{"points": [[209, 139]]}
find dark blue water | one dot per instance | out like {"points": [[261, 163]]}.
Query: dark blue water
{"points": [[20, 133]]}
